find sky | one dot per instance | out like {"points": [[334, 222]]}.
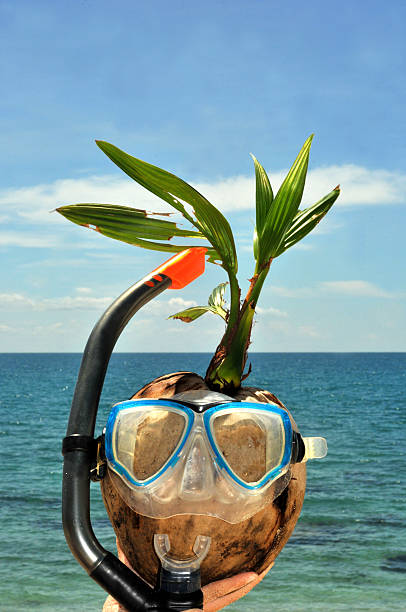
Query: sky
{"points": [[194, 87]]}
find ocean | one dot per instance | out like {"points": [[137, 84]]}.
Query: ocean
{"points": [[348, 551]]}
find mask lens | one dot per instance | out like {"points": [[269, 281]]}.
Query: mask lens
{"points": [[252, 442], [145, 439]]}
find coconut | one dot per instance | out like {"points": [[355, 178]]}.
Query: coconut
{"points": [[251, 545]]}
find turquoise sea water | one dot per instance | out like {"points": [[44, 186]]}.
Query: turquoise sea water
{"points": [[348, 552]]}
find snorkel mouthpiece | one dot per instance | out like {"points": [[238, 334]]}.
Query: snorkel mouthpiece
{"points": [[181, 577]]}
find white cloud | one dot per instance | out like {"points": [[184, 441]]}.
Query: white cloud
{"points": [[274, 312], [16, 301], [283, 327], [165, 308], [355, 288], [84, 301], [41, 330], [262, 326], [74, 303], [343, 288], [37, 203], [83, 290], [292, 293], [309, 331], [234, 193], [178, 302], [26, 239], [360, 186], [6, 328]]}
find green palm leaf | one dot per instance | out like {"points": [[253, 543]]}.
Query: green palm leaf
{"points": [[283, 208], [191, 314], [216, 299], [216, 305], [264, 195], [130, 225], [306, 220], [209, 221]]}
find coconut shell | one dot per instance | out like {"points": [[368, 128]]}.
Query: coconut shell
{"points": [[251, 545]]}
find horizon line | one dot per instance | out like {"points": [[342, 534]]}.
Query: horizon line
{"points": [[343, 352]]}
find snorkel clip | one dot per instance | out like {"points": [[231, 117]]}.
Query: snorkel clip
{"points": [[99, 468]]}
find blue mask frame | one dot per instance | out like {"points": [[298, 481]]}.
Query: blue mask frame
{"points": [[209, 411]]}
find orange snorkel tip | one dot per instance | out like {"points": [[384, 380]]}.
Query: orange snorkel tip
{"points": [[184, 267]]}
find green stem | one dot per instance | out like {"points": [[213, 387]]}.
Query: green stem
{"points": [[234, 304], [257, 282], [225, 371]]}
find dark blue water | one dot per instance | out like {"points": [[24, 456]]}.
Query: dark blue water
{"points": [[348, 551]]}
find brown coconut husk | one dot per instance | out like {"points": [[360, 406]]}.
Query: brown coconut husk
{"points": [[251, 545]]}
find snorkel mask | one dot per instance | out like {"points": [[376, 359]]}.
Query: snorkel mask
{"points": [[213, 456]]}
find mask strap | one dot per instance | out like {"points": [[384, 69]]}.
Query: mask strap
{"points": [[316, 448], [298, 448], [307, 448]]}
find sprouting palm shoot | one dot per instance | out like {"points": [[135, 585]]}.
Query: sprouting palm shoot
{"points": [[280, 224]]}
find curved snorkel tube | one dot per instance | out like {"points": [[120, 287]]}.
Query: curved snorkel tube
{"points": [[79, 448]]}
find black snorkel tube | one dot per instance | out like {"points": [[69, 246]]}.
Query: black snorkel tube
{"points": [[179, 590]]}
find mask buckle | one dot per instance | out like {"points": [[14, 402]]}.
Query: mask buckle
{"points": [[99, 466]]}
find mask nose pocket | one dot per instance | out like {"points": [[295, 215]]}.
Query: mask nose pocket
{"points": [[197, 481]]}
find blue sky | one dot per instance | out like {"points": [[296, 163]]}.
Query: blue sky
{"points": [[195, 87]]}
